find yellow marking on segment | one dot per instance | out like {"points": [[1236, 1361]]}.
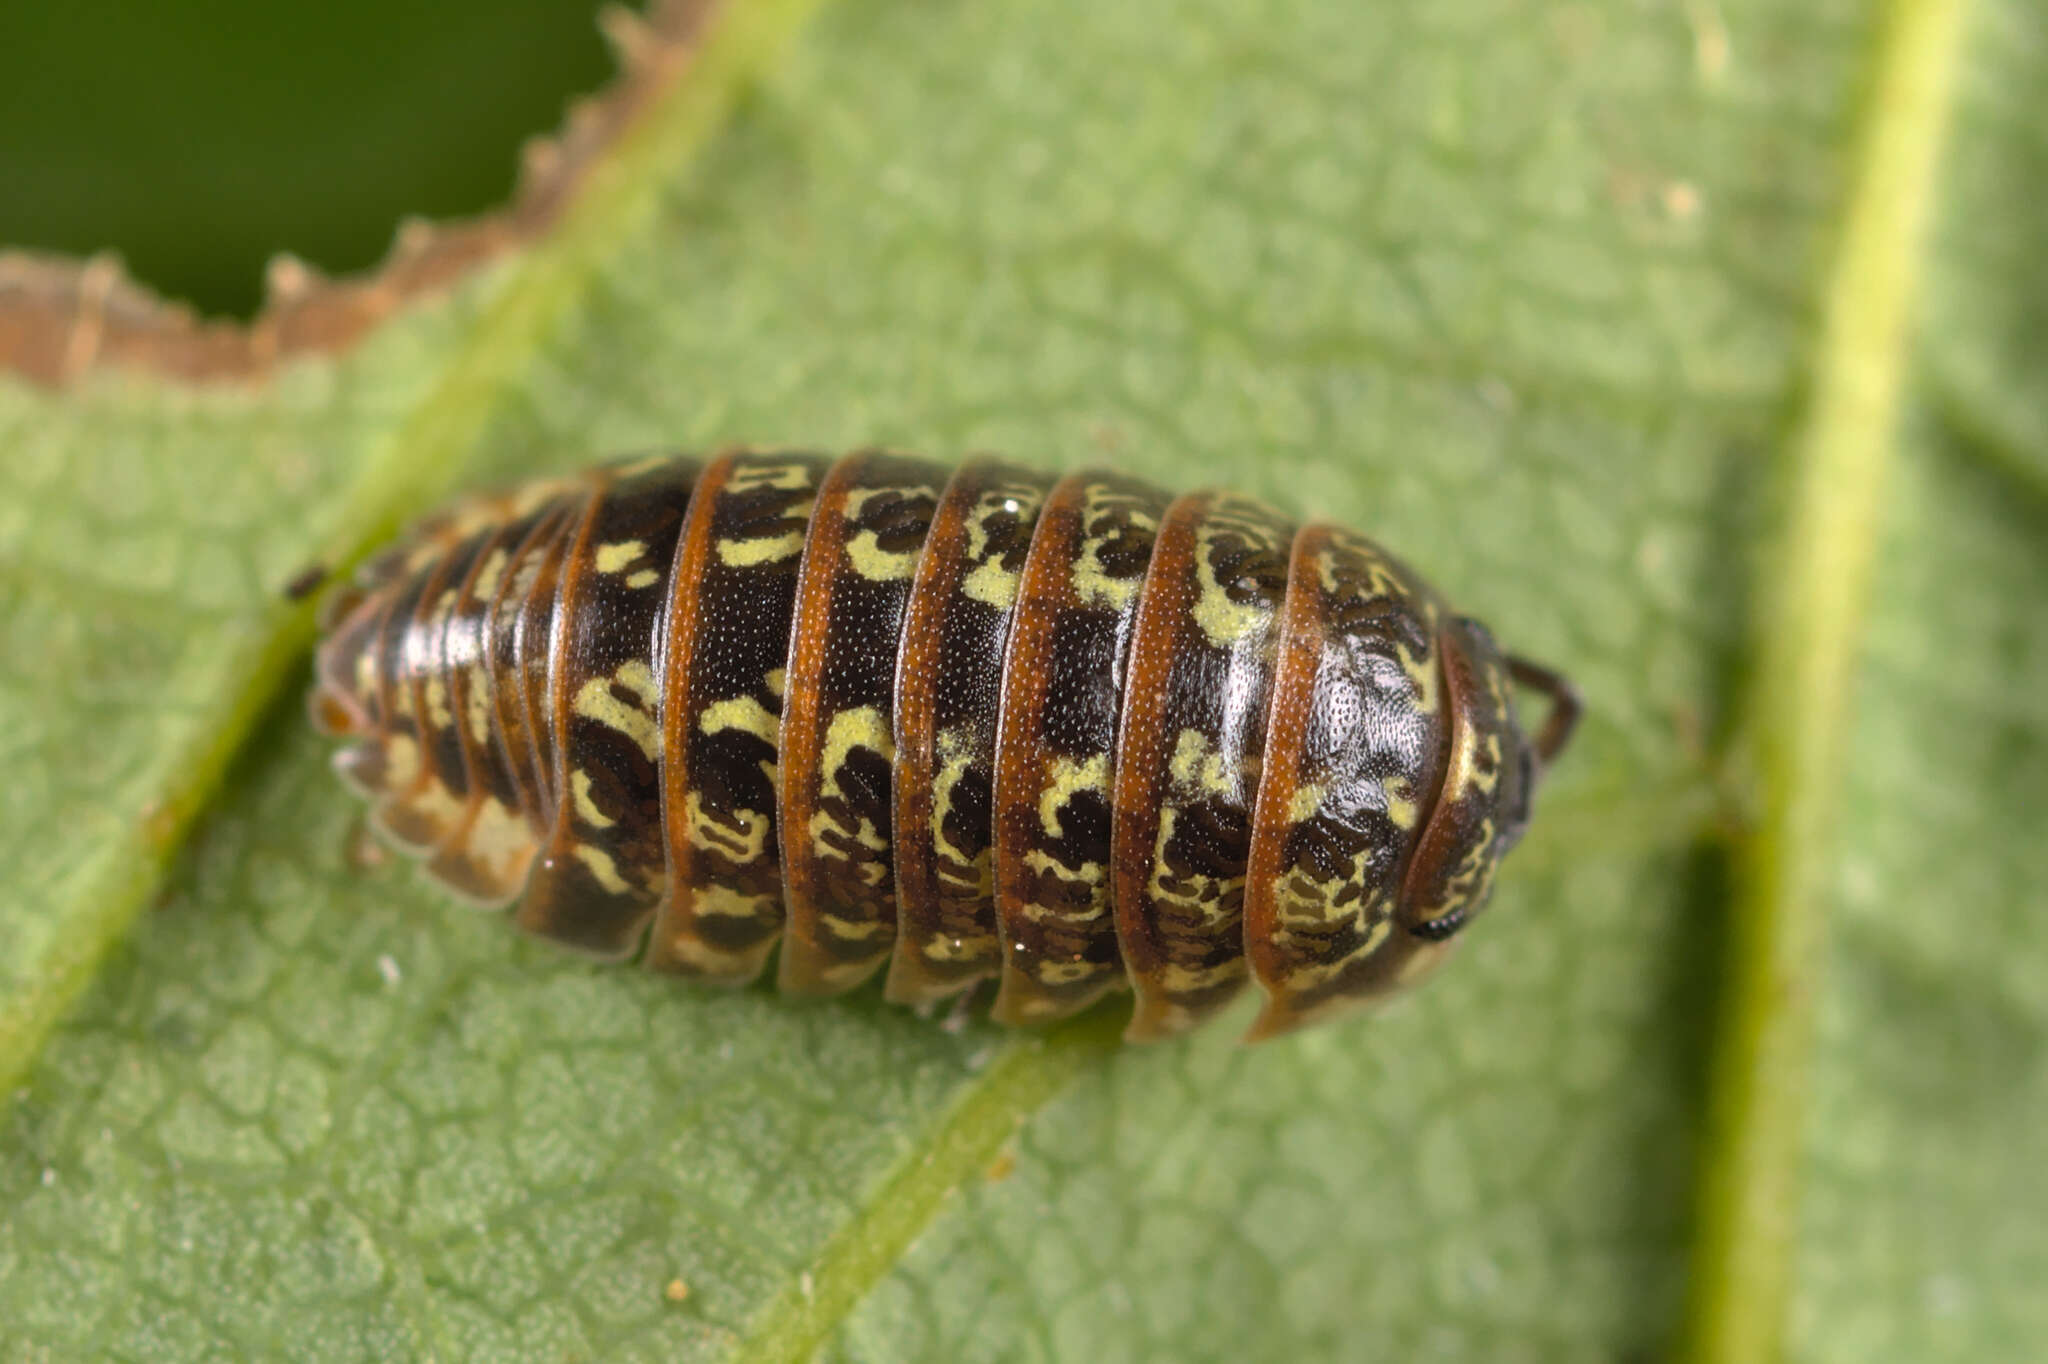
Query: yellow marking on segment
{"points": [[775, 679], [401, 760], [856, 727], [1058, 973], [366, 674], [1463, 777], [486, 585], [1380, 580], [743, 713], [478, 705], [763, 549], [989, 583], [1224, 622], [866, 835], [1092, 583], [619, 557], [1197, 766], [586, 808], [1466, 886], [1311, 902], [636, 675], [742, 838], [646, 577], [788, 477], [850, 931], [944, 949], [1305, 800], [1087, 874], [864, 551], [959, 870], [438, 713], [857, 499], [499, 840], [1309, 975], [1203, 897], [1177, 979], [433, 803], [1402, 807], [1423, 674], [1064, 778], [602, 868], [596, 701], [715, 901]]}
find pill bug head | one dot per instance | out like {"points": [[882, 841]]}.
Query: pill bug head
{"points": [[1491, 772]]}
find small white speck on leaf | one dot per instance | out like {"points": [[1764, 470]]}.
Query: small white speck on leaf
{"points": [[387, 967], [1682, 201], [807, 1285]]}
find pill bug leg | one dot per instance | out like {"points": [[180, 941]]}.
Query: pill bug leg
{"points": [[1566, 706]]}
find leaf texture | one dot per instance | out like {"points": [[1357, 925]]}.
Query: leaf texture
{"points": [[1529, 292]]}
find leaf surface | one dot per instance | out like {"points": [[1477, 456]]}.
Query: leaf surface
{"points": [[1532, 293]]}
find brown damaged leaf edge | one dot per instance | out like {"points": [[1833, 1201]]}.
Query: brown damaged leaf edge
{"points": [[677, 99], [61, 318]]}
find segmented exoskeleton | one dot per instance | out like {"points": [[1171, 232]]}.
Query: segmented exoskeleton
{"points": [[972, 722]]}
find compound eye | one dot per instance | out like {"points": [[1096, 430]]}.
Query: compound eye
{"points": [[1445, 926]]}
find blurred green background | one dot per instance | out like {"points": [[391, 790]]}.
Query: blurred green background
{"points": [[200, 137]]}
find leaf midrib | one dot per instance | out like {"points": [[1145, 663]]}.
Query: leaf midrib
{"points": [[1806, 642]]}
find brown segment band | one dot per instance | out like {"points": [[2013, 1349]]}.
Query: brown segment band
{"points": [[536, 657], [1482, 800], [1354, 754], [1063, 689], [512, 775], [732, 597], [838, 737], [948, 693], [603, 867], [1189, 754], [403, 771]]}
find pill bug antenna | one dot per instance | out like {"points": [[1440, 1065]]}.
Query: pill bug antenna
{"points": [[1565, 708]]}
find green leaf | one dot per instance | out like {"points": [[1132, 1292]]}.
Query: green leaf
{"points": [[1558, 301]]}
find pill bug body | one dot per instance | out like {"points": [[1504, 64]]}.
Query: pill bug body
{"points": [[1070, 733]]}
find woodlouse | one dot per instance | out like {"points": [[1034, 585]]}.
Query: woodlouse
{"points": [[1065, 731]]}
